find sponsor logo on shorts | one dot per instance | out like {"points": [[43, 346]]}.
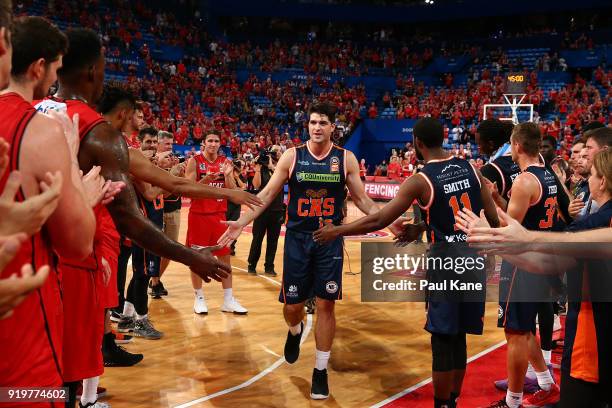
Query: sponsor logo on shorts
{"points": [[293, 291], [318, 177], [500, 312], [331, 287], [456, 238]]}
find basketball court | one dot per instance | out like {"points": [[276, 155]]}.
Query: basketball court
{"points": [[381, 354]]}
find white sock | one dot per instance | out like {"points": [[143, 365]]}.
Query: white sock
{"points": [[90, 390], [514, 399], [321, 359], [128, 309], [547, 354], [199, 292], [530, 372], [545, 380], [140, 317], [295, 330], [227, 294]]}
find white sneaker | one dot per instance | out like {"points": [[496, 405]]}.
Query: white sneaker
{"points": [[557, 323], [199, 305], [96, 404], [232, 306]]}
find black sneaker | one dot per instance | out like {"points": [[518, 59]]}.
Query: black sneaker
{"points": [[310, 305], [271, 272], [319, 389], [252, 271], [163, 291], [144, 328], [117, 356], [156, 291], [126, 324], [292, 345], [115, 316]]}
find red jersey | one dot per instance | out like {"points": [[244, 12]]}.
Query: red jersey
{"points": [[31, 338], [204, 167], [88, 120]]}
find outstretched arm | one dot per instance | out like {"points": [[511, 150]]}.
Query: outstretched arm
{"points": [[105, 147], [144, 170], [267, 194], [414, 187]]}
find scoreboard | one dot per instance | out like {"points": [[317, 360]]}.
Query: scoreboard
{"points": [[516, 83]]}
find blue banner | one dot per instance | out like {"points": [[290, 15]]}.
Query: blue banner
{"points": [[374, 138], [582, 58], [450, 64]]}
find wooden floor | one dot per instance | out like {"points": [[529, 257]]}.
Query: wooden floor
{"points": [[380, 349]]}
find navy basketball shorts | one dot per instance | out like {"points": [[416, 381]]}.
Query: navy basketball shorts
{"points": [[455, 317], [144, 263], [518, 297], [310, 268]]}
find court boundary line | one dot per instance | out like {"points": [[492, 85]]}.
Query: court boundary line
{"points": [[428, 380], [262, 373]]}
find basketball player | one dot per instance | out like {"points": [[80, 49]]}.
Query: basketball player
{"points": [[492, 137], [533, 203], [447, 322], [32, 354], [80, 84], [117, 106], [586, 373], [144, 264], [206, 216], [172, 208], [317, 173]]}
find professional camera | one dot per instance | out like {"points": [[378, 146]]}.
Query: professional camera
{"points": [[263, 158]]}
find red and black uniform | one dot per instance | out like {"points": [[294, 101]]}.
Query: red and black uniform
{"points": [[204, 225], [84, 292], [31, 338]]}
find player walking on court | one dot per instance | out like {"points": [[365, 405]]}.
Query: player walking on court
{"points": [[441, 188], [317, 173]]}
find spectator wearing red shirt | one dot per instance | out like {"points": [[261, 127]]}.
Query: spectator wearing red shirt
{"points": [[394, 169], [372, 111]]}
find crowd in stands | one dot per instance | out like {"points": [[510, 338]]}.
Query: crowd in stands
{"points": [[201, 94]]}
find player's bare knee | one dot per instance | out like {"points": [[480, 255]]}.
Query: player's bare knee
{"points": [[325, 306]]}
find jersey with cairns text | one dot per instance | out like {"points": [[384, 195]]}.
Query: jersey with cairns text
{"points": [[316, 189]]}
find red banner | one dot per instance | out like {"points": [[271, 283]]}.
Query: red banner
{"points": [[381, 191]]}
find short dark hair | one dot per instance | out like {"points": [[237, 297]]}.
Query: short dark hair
{"points": [[34, 38], [578, 140], [494, 131], [529, 137], [601, 135], [6, 16], [429, 131], [113, 97], [84, 49], [162, 134], [592, 125], [550, 139], [323, 108], [151, 131]]}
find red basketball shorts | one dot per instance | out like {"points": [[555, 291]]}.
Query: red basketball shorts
{"points": [[205, 230]]}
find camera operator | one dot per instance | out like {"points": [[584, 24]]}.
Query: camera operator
{"points": [[270, 221], [233, 210]]}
